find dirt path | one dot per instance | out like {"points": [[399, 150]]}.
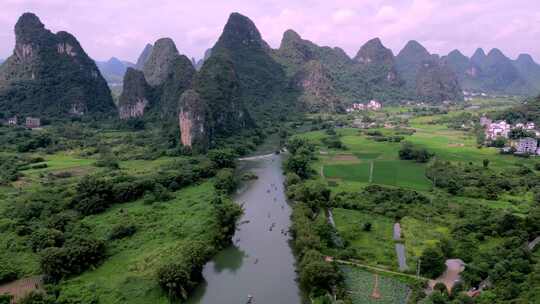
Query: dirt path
{"points": [[370, 171], [402, 259], [381, 270], [452, 274], [400, 248], [534, 243], [397, 232]]}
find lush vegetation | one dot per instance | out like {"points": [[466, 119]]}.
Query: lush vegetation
{"points": [[472, 203], [90, 202]]}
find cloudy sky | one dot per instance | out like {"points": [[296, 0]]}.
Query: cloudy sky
{"points": [[121, 28]]}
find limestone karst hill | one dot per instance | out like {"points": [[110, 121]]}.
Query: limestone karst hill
{"points": [[50, 76]]}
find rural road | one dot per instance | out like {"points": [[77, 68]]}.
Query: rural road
{"points": [[381, 270]]}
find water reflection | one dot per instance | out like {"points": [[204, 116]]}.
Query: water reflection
{"points": [[230, 259]]}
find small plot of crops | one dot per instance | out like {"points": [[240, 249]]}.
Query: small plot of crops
{"points": [[392, 173], [351, 172], [401, 173], [360, 285], [373, 245]]}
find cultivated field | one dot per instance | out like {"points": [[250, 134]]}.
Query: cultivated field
{"points": [[360, 285]]}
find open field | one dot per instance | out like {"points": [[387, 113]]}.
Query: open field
{"points": [[375, 247], [360, 285]]}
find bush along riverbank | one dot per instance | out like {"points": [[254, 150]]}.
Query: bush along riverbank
{"points": [[320, 280], [78, 230]]}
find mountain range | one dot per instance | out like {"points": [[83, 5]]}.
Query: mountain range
{"points": [[114, 69], [241, 82], [495, 73]]}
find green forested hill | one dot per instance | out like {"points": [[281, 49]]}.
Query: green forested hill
{"points": [[50, 76]]}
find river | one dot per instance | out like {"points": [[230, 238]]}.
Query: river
{"points": [[261, 262]]}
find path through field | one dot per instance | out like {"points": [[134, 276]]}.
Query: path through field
{"points": [[400, 248], [402, 260], [370, 172], [380, 270]]}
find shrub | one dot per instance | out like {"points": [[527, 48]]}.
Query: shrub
{"points": [[44, 238], [183, 273], [121, 231], [7, 271], [94, 195], [225, 181], [410, 152], [77, 255], [222, 158]]}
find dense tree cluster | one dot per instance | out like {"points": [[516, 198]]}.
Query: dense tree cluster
{"points": [[479, 181], [310, 228], [410, 152]]}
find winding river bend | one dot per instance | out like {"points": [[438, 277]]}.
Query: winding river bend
{"points": [[260, 263]]}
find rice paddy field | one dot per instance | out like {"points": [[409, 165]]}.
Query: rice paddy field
{"points": [[366, 161], [361, 285]]}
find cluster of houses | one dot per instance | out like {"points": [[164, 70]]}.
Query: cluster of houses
{"points": [[30, 122], [373, 105], [500, 128]]}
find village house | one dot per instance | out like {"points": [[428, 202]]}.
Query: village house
{"points": [[32, 122], [12, 121], [372, 105], [527, 145], [498, 129]]}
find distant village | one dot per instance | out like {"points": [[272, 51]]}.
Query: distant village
{"points": [[373, 105], [501, 129], [29, 122]]}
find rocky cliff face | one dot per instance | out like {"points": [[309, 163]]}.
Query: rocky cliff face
{"points": [[169, 74], [427, 76], [144, 57], [135, 95], [378, 60], [437, 82], [529, 70], [218, 86], [193, 120], [261, 78], [409, 60], [50, 75], [316, 83]]}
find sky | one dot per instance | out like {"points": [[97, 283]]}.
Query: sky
{"points": [[121, 28]]}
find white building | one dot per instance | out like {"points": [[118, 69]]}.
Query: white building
{"points": [[12, 121], [527, 145], [374, 105], [498, 129]]}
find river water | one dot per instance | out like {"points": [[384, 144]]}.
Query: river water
{"points": [[261, 262]]}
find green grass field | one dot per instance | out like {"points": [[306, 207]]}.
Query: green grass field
{"points": [[375, 247], [360, 285]]}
